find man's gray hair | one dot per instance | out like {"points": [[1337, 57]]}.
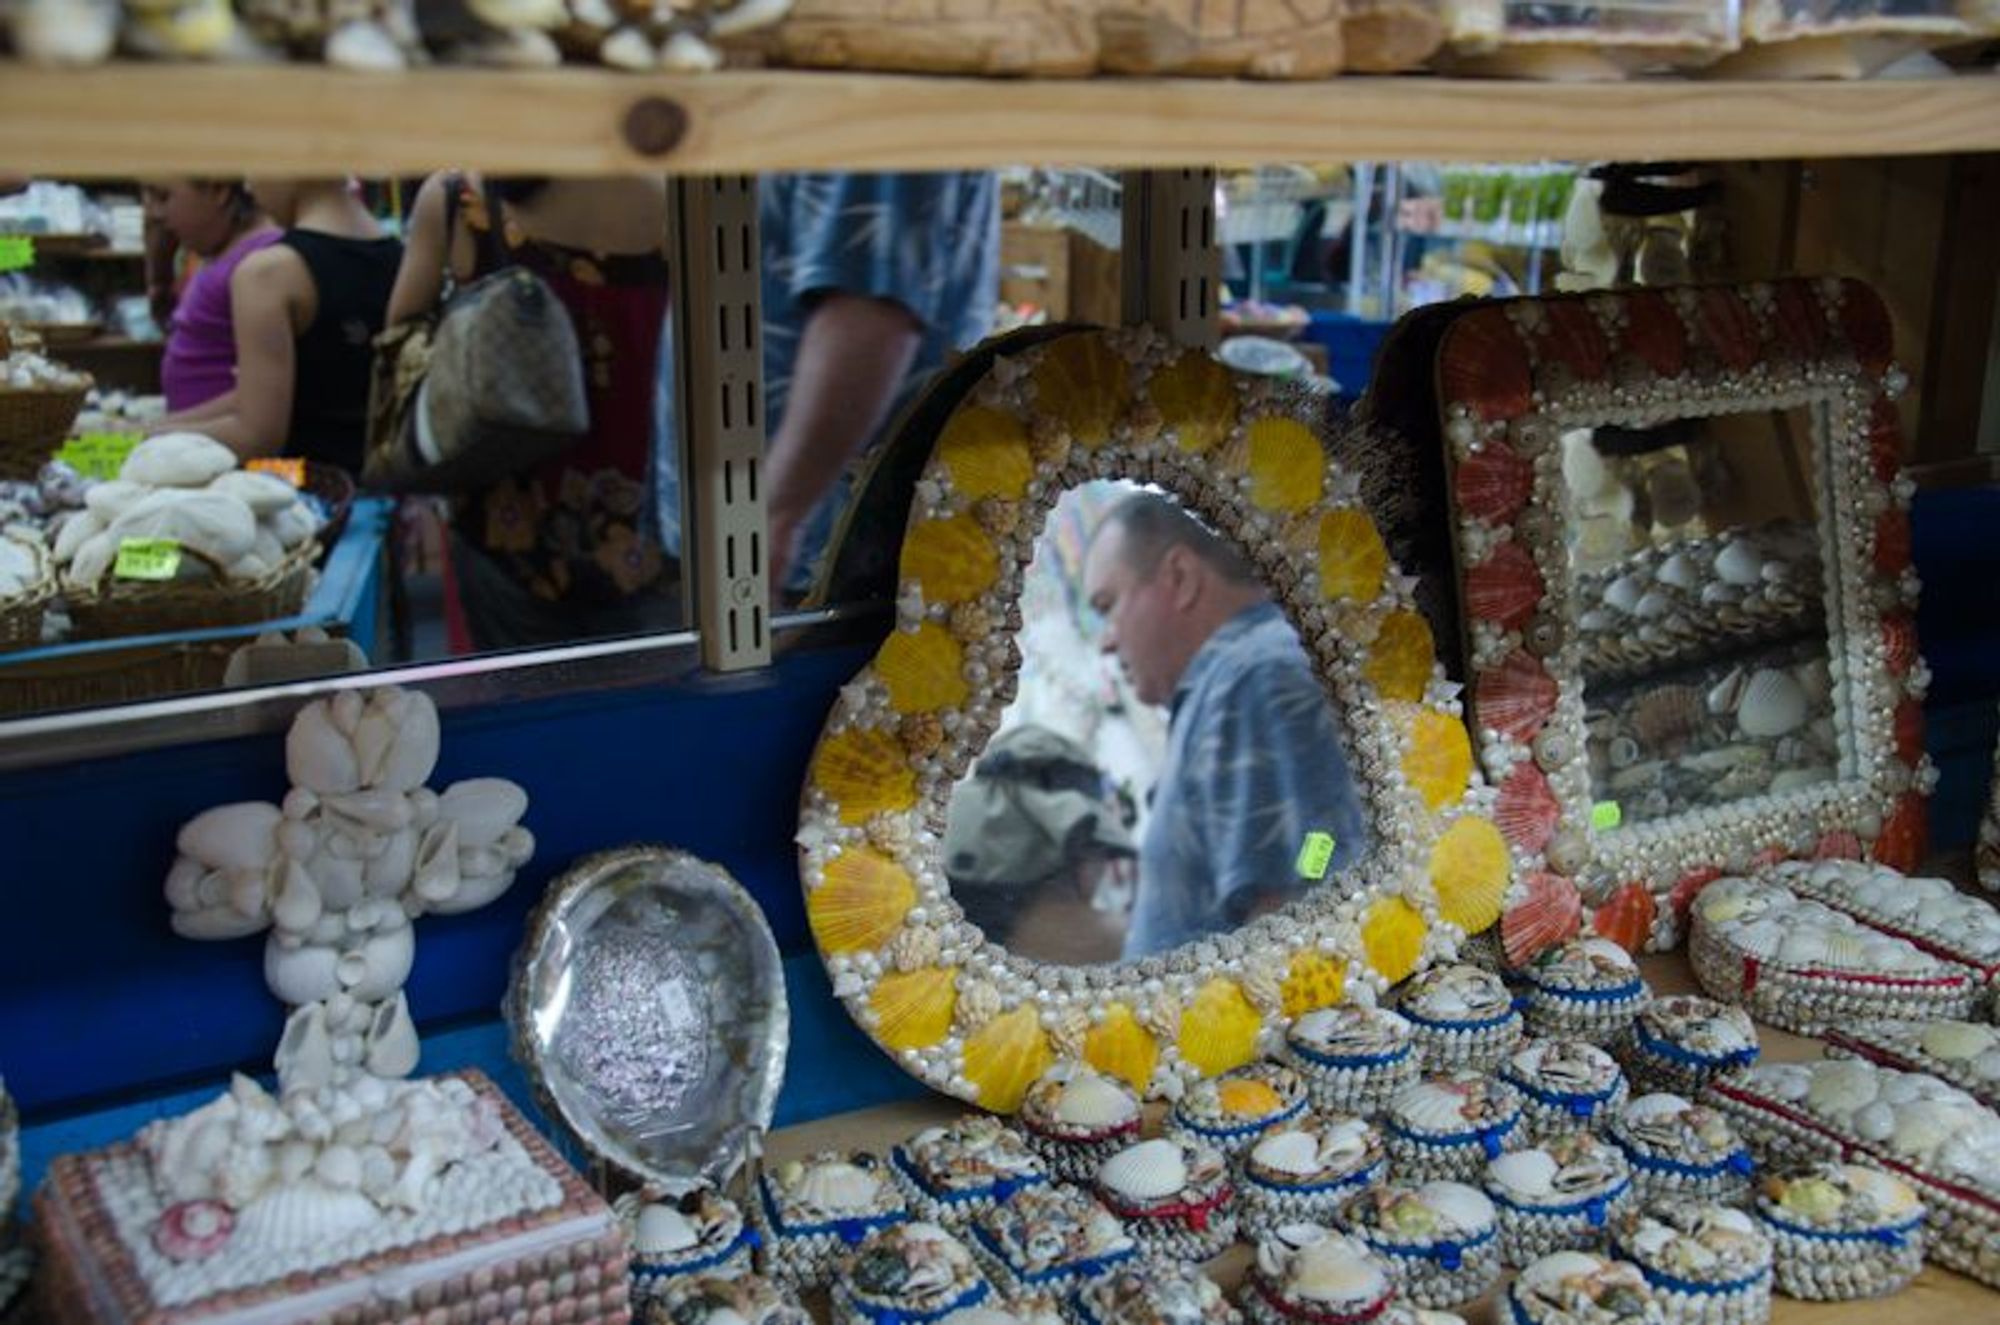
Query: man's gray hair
{"points": [[1154, 523]]}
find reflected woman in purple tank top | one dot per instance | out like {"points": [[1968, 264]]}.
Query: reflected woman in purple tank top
{"points": [[220, 224]]}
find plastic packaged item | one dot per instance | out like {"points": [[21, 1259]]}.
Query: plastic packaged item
{"points": [[1532, 39]]}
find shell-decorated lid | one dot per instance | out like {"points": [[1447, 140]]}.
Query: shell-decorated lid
{"points": [[1259, 1094], [1073, 1096], [661, 1225], [1335, 1274], [1050, 1227], [1563, 1067], [1456, 994], [1584, 963], [746, 1299], [1160, 1170], [1433, 1213], [1351, 1030], [1454, 1103], [1156, 1291], [1573, 1167], [832, 1184], [1773, 924], [1918, 1118], [1313, 1150], [1700, 1025], [1667, 1125], [977, 1151], [1694, 1241], [915, 1266], [1579, 1288], [1837, 1197]]}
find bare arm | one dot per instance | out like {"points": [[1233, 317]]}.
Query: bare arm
{"points": [[191, 418], [852, 356], [270, 298], [421, 276]]}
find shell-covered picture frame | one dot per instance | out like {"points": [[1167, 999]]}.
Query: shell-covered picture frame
{"points": [[1512, 378], [1986, 853], [1248, 456]]}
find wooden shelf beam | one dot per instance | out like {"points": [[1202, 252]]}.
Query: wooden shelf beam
{"points": [[121, 119]]}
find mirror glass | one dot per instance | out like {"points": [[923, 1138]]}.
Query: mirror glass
{"points": [[1700, 611], [1170, 765]]}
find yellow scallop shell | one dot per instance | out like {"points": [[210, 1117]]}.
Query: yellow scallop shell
{"points": [[1438, 760], [865, 772], [860, 902], [1399, 661], [1392, 934], [1469, 869], [1219, 1028], [1196, 399], [913, 1009], [953, 558], [1287, 467], [1352, 559], [985, 451], [923, 669], [1248, 1098], [1314, 980], [1120, 1047], [1005, 1057], [1083, 384]]}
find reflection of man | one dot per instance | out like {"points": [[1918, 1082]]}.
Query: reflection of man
{"points": [[1027, 841], [1256, 774]]}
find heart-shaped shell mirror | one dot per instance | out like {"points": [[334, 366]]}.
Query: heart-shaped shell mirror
{"points": [[1315, 828]]}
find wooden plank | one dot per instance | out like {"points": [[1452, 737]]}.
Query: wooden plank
{"points": [[122, 119]]}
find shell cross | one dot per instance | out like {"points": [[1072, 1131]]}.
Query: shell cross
{"points": [[338, 873]]}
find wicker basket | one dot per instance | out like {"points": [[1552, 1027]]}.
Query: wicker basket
{"points": [[21, 616], [145, 607], [33, 424]]}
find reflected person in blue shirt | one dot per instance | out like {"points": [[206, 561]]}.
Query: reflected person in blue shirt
{"points": [[1256, 755]]}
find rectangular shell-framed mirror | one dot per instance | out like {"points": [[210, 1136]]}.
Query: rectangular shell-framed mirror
{"points": [[1684, 563]]}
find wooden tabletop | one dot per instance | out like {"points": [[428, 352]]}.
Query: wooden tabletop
{"points": [[1938, 1297]]}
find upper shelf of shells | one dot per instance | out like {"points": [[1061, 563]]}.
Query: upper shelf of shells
{"points": [[1078, 38]]}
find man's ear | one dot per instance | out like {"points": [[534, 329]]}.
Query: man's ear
{"points": [[1184, 580]]}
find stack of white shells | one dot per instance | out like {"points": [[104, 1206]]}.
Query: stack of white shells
{"points": [[25, 566], [185, 487], [1930, 909], [1963, 1053], [27, 370]]}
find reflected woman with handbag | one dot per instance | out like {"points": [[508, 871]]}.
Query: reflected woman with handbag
{"points": [[517, 377]]}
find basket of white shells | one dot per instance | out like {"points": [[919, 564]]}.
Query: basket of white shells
{"points": [[183, 540], [39, 400], [27, 583], [1841, 1231]]}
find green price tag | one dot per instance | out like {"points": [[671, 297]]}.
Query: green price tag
{"points": [[147, 559], [98, 455], [17, 252], [1315, 855], [1605, 815]]}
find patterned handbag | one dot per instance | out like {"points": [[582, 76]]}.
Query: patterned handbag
{"points": [[489, 386]]}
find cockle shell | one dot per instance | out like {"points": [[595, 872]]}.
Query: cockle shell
{"points": [[864, 771], [1313, 980], [661, 1230], [302, 1214], [985, 451], [1506, 588], [1493, 483], [1469, 868], [1196, 398], [1463, 1208], [1005, 1056], [1572, 337], [1148, 1171], [1527, 811], [1484, 365], [1218, 1028], [913, 1009], [923, 669], [861, 901], [1739, 563], [1401, 657], [1531, 1173], [1438, 759], [1516, 697], [1335, 1270], [1121, 1048], [1392, 936], [1432, 1105], [1287, 466], [1772, 704], [1891, 1196], [1090, 1100], [953, 558], [1627, 917], [1082, 381], [1352, 557], [1550, 912], [835, 1186], [1289, 1151]]}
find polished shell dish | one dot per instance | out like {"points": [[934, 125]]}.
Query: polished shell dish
{"points": [[1303, 1274], [1462, 1018], [648, 1007], [1679, 1148], [1305, 1171], [1174, 1196], [1231, 1112], [1934, 1136], [1841, 1231], [1708, 1264], [1564, 1085], [1557, 1196], [1579, 1288], [1680, 1043], [911, 1272], [1354, 1057], [952, 1173], [1585, 989], [1450, 1125], [1801, 965], [1441, 1240]]}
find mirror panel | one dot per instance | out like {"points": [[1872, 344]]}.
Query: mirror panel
{"points": [[1684, 552], [1248, 461]]}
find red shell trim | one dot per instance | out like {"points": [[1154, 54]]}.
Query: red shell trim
{"points": [[1516, 697], [1506, 588], [1729, 328], [1865, 323], [1655, 333], [1885, 439], [1905, 836], [1688, 887], [1892, 542], [1909, 728], [1626, 918], [1798, 321], [1837, 845], [1573, 338], [1899, 643], [1527, 811], [1550, 913], [1494, 483], [1484, 366]]}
